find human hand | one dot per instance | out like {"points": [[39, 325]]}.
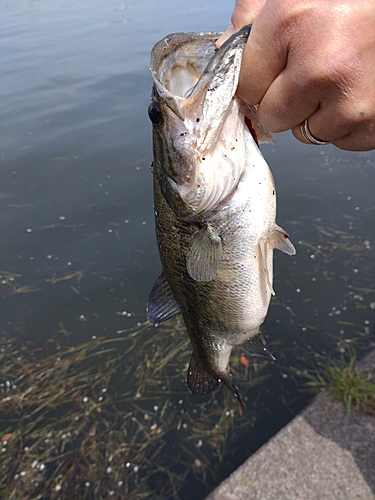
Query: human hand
{"points": [[311, 59], [244, 12]]}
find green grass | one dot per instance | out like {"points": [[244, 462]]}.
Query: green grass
{"points": [[343, 381]]}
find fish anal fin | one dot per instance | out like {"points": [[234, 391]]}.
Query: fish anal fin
{"points": [[204, 255], [199, 380], [280, 239], [257, 346], [161, 304]]}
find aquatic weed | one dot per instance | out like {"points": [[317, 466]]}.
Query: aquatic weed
{"points": [[109, 418]]}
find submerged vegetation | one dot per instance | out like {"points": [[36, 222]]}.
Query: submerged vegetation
{"points": [[108, 419]]}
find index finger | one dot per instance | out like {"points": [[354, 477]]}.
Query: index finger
{"points": [[265, 56]]}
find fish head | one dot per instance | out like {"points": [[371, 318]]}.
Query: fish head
{"points": [[198, 123]]}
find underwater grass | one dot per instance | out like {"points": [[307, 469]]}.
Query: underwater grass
{"points": [[109, 418]]}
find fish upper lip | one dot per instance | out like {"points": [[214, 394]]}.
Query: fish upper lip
{"points": [[160, 54], [204, 74], [173, 101]]}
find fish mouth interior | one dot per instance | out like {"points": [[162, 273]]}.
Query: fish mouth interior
{"points": [[180, 71], [182, 80]]}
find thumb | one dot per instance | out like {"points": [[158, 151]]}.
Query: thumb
{"points": [[227, 34], [244, 12]]}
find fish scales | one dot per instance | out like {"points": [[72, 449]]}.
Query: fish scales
{"points": [[215, 205]]}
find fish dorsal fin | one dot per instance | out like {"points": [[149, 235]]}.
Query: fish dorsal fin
{"points": [[161, 304], [199, 380], [280, 239], [257, 346], [204, 255]]}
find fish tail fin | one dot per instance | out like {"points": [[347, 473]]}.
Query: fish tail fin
{"points": [[201, 382]]}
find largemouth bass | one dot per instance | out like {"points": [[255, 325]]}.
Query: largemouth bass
{"points": [[215, 205]]}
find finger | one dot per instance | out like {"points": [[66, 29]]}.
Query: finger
{"points": [[324, 125], [244, 12], [285, 106], [296, 131], [309, 88], [355, 141], [347, 129], [264, 57], [358, 140], [224, 37]]}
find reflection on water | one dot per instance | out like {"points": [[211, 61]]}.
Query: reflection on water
{"points": [[78, 258]]}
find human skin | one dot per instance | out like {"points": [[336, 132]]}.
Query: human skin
{"points": [[311, 59]]}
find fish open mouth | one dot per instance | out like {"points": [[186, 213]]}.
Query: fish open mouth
{"points": [[203, 122]]}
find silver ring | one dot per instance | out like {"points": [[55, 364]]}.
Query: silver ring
{"points": [[305, 131]]}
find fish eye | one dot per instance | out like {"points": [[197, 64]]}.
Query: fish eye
{"points": [[154, 113]]}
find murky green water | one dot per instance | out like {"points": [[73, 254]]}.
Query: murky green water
{"points": [[78, 251]]}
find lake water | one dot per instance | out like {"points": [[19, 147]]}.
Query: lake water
{"points": [[79, 256]]}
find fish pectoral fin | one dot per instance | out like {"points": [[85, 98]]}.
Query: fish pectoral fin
{"points": [[257, 346], [204, 255], [199, 380], [161, 304], [263, 246], [280, 240]]}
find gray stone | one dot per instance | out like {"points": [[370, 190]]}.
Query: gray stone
{"points": [[322, 454]]}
